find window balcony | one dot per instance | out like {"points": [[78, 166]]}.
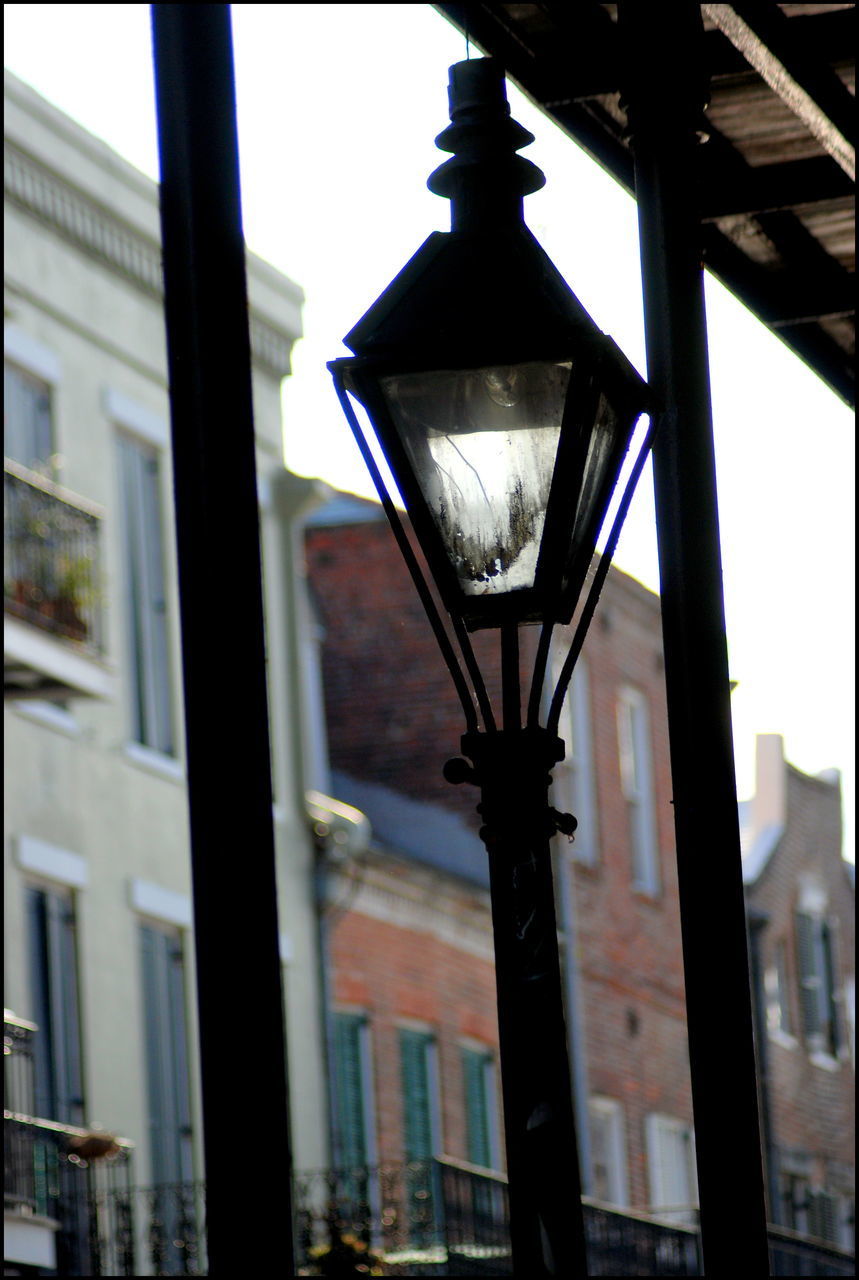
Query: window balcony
{"points": [[59, 1181], [430, 1218], [52, 600]]}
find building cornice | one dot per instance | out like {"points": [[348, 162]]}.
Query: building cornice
{"points": [[115, 244], [416, 907]]}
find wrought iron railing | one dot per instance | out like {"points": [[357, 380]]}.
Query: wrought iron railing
{"points": [[51, 567], [386, 1217], [475, 1211], [51, 1172], [426, 1218], [18, 1068], [795, 1255]]}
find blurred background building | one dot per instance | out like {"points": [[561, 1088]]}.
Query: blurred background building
{"points": [[99, 953]]}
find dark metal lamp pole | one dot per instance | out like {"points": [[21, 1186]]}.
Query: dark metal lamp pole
{"points": [[505, 416]]}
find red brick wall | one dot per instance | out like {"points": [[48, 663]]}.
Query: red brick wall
{"points": [[393, 718], [812, 1099], [395, 975]]}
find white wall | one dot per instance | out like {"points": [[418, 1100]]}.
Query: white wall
{"points": [[73, 780]]}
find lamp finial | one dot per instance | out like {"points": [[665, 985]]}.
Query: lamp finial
{"points": [[485, 179]]}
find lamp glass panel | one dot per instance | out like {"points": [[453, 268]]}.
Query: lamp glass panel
{"points": [[482, 444], [599, 472]]}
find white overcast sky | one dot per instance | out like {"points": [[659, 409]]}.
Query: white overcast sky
{"points": [[338, 107]]}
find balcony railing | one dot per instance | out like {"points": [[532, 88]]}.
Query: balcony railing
{"points": [[427, 1218], [387, 1216], [475, 1211], [51, 567], [18, 1067], [69, 1177], [795, 1255]]}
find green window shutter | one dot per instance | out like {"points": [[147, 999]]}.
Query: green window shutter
{"points": [[830, 990], [823, 1216], [417, 1101], [349, 1085], [809, 976], [474, 1066]]}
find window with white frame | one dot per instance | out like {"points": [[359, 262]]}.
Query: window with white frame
{"points": [[421, 1129], [167, 1064], [574, 782], [671, 1173], [28, 422], [794, 1197], [818, 986], [777, 988], [353, 1121], [421, 1137], [825, 1214], [147, 639], [608, 1152], [31, 373], [636, 773]]}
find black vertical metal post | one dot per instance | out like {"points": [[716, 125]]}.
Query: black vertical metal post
{"points": [[512, 767], [666, 94], [217, 522], [758, 921]]}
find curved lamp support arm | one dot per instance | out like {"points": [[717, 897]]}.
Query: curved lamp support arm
{"points": [[541, 662], [476, 677]]}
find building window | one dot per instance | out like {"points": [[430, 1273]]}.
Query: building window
{"points": [[353, 1134], [795, 1197], [778, 992], [608, 1152], [574, 784], [815, 951], [28, 420], [421, 1130], [481, 1114], [52, 944], [672, 1176], [811, 1211], [824, 1216], [166, 1040], [145, 595], [636, 773]]}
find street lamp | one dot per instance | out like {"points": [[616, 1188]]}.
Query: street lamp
{"points": [[505, 416]]}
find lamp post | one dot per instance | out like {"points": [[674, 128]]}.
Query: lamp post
{"points": [[505, 417]]}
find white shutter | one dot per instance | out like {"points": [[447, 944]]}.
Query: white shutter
{"points": [[671, 1168]]}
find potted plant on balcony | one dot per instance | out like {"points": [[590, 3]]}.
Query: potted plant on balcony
{"points": [[75, 593]]}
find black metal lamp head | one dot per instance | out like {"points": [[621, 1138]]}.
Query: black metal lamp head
{"points": [[503, 411]]}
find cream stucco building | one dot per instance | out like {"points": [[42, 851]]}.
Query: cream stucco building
{"points": [[99, 950]]}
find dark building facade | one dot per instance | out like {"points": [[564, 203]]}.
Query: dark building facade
{"points": [[801, 897]]}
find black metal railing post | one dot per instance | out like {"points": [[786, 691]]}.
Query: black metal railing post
{"points": [[666, 92], [229, 791]]}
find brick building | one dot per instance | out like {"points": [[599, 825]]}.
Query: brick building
{"points": [[801, 897], [409, 929], [408, 932]]}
